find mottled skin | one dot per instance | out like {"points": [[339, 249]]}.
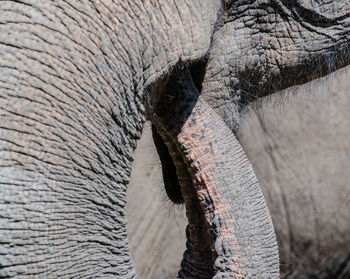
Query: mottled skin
{"points": [[79, 78]]}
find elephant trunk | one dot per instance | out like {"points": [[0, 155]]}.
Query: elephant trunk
{"points": [[230, 232]]}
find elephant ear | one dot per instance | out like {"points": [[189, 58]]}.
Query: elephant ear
{"points": [[271, 45]]}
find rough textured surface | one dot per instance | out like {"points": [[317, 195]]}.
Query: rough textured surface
{"points": [[73, 74], [72, 79], [229, 195], [311, 130], [65, 145], [267, 45], [229, 232]]}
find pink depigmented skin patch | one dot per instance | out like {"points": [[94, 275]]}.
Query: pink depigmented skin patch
{"points": [[202, 153]]}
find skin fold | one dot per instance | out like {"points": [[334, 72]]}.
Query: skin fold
{"points": [[78, 79]]}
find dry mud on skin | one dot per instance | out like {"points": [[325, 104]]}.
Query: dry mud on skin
{"points": [[300, 149]]}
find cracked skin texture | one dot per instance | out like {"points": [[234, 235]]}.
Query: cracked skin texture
{"points": [[74, 83], [72, 108]]}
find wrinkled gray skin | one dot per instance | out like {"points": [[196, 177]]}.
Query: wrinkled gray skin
{"points": [[78, 80]]}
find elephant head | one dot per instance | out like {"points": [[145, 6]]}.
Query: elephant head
{"points": [[79, 78]]}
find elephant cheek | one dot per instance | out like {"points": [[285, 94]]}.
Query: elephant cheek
{"points": [[230, 233]]}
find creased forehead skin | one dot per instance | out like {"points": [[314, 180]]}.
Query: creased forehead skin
{"points": [[264, 46]]}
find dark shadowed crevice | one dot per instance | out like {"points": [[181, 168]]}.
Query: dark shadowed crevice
{"points": [[171, 183], [197, 71], [166, 91], [170, 115]]}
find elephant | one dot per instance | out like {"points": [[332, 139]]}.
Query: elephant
{"points": [[297, 141], [79, 78], [301, 157]]}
